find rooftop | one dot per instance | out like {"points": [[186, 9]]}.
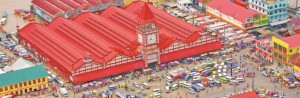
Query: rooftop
{"points": [[250, 94], [103, 36], [293, 41], [22, 75], [230, 9]]}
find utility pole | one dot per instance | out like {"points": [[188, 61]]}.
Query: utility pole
{"points": [[297, 4]]}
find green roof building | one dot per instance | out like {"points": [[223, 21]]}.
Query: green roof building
{"points": [[23, 80]]}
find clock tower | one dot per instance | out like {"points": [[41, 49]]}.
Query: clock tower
{"points": [[147, 36]]}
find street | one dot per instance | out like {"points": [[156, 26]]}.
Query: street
{"points": [[260, 81]]}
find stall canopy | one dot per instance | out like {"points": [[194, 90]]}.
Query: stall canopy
{"points": [[279, 22], [21, 63], [251, 94]]}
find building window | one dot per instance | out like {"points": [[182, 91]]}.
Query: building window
{"points": [[259, 3], [280, 5], [275, 6], [39, 80], [263, 5], [284, 50], [280, 57], [20, 84], [43, 79], [16, 85], [6, 88], [25, 83], [29, 82], [1, 90], [34, 81], [280, 48], [275, 46], [11, 87], [291, 50]]}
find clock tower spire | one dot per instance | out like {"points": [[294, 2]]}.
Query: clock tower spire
{"points": [[147, 35]]}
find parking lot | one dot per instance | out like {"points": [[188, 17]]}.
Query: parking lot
{"points": [[138, 86]]}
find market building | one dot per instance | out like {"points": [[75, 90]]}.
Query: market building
{"points": [[275, 9], [231, 13], [118, 40], [50, 9], [284, 48], [263, 49], [23, 81]]}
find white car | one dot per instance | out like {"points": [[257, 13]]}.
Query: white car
{"points": [[224, 70], [190, 90], [220, 67], [220, 75], [224, 74], [2, 53], [222, 63]]}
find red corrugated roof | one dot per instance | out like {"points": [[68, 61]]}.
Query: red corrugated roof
{"points": [[105, 36], [46, 6], [169, 25], [250, 94], [146, 14], [114, 70], [58, 5], [54, 6], [70, 3], [81, 2], [94, 2], [53, 45], [83, 38], [293, 41], [230, 9]]}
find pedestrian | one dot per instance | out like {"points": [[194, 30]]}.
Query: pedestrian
{"points": [[206, 90]]}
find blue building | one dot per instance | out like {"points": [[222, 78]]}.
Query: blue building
{"points": [[276, 9]]}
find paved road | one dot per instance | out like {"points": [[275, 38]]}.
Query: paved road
{"points": [[259, 82]]}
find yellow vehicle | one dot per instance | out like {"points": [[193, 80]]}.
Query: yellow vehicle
{"points": [[151, 96], [122, 85], [223, 80], [262, 91], [214, 72]]}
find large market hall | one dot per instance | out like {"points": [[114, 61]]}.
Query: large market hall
{"points": [[92, 46]]}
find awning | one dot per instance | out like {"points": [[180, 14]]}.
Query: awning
{"points": [[190, 52], [114, 70], [280, 22]]}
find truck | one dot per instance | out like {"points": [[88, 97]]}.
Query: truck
{"points": [[63, 92]]}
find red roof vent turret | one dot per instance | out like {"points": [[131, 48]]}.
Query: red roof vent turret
{"points": [[146, 14]]}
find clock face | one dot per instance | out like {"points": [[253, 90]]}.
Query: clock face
{"points": [[140, 38], [151, 39]]}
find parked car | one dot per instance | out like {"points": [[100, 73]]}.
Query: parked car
{"points": [[55, 94], [191, 90]]}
